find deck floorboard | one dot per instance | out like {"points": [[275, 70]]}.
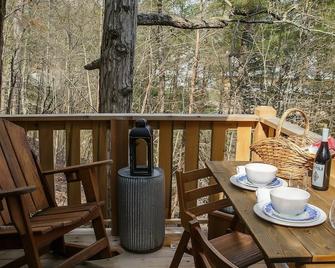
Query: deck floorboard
{"points": [[158, 259]]}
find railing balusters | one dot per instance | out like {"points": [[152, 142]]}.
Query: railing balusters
{"points": [[219, 130], [73, 158], [119, 130], [46, 153], [243, 141], [191, 139], [99, 138], [263, 122], [165, 161], [332, 174]]}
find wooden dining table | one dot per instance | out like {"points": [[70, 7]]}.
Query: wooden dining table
{"points": [[303, 247]]}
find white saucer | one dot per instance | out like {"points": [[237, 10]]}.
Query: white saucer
{"points": [[310, 214], [258, 209], [235, 180]]}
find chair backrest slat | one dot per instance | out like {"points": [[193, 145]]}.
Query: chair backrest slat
{"points": [[196, 174], [26, 161], [6, 182], [18, 169], [201, 192], [187, 197], [208, 207]]}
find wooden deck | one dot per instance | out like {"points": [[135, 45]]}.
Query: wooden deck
{"points": [[158, 259]]}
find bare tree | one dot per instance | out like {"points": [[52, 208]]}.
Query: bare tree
{"points": [[2, 17], [117, 56]]}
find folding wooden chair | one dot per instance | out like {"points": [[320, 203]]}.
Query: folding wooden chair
{"points": [[188, 206]]}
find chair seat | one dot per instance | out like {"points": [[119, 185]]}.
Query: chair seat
{"points": [[50, 219], [238, 248]]}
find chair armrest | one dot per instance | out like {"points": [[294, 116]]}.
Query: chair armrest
{"points": [[17, 191], [191, 215], [75, 168]]}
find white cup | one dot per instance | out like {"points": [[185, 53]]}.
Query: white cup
{"points": [[288, 200]]}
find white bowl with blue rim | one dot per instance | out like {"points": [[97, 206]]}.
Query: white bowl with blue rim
{"points": [[260, 174], [310, 214], [289, 200]]}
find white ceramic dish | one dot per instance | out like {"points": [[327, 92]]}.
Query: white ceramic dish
{"points": [[288, 200], [235, 181], [310, 214], [258, 209], [259, 173]]}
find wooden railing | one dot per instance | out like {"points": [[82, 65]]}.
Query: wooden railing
{"points": [[109, 139]]}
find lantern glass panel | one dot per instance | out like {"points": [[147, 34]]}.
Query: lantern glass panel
{"points": [[141, 153]]}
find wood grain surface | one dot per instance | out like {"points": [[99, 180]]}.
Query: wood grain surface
{"points": [[280, 243]]}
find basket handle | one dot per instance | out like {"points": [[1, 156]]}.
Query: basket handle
{"points": [[284, 116]]}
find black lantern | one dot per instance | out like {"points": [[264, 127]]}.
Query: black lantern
{"points": [[141, 131]]}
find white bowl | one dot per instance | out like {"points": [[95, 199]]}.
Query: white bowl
{"points": [[260, 174], [288, 200]]}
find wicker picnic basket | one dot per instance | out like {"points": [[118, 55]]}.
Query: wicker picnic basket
{"points": [[288, 154]]}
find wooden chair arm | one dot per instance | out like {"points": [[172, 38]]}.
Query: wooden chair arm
{"points": [[73, 169], [17, 191], [191, 215], [222, 215]]}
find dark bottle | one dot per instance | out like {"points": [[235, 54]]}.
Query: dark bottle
{"points": [[321, 168]]}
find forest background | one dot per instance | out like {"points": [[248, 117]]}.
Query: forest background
{"points": [[227, 70]]}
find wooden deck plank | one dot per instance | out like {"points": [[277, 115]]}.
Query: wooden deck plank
{"points": [[159, 259]]}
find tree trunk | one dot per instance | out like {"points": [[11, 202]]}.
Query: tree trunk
{"points": [[117, 56], [2, 16]]}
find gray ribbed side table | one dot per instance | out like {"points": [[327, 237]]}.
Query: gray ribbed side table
{"points": [[141, 211]]}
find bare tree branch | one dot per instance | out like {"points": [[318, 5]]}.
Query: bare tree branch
{"points": [[150, 19], [154, 19], [93, 65], [297, 25]]}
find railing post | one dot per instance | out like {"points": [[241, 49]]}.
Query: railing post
{"points": [[165, 161], [119, 130], [46, 151], [192, 137], [261, 131], [332, 173], [73, 158], [243, 141], [99, 134], [219, 131]]}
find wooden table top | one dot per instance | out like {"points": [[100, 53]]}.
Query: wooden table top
{"points": [[280, 243]]}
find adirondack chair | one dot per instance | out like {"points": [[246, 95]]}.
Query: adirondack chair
{"points": [[30, 218]]}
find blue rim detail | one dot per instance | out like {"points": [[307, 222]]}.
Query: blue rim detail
{"points": [[244, 180], [312, 214]]}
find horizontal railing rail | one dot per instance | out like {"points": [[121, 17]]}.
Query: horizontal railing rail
{"points": [[175, 135]]}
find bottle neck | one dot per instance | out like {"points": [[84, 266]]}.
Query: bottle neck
{"points": [[323, 147], [325, 133]]}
